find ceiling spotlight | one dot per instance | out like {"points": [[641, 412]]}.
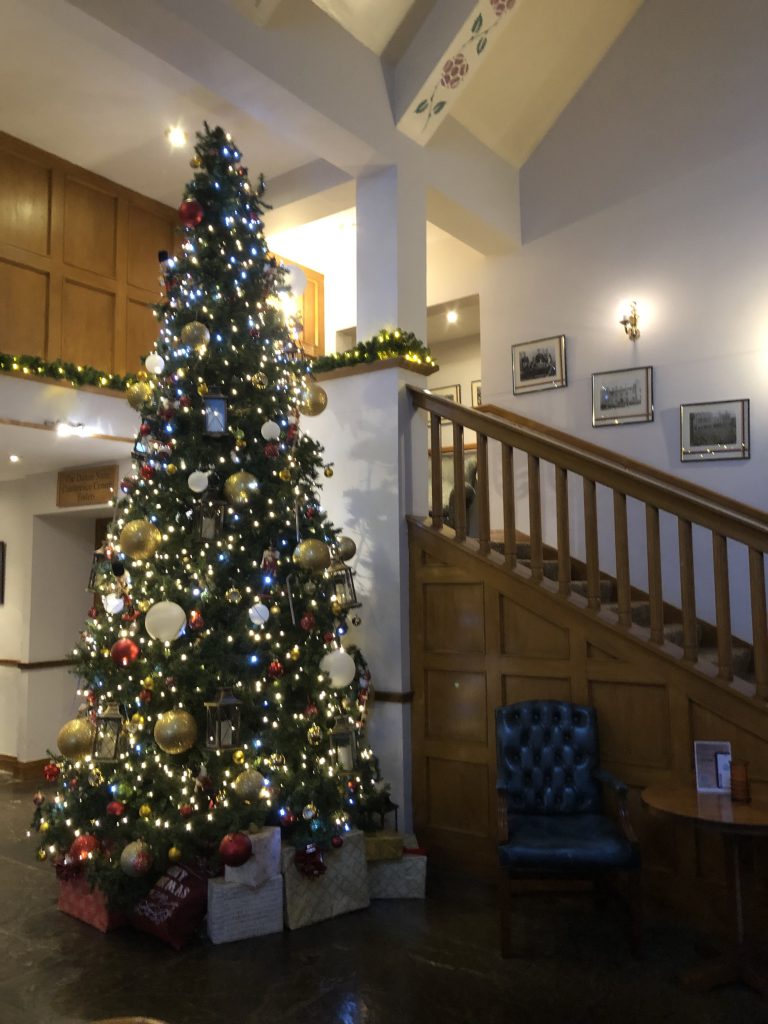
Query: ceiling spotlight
{"points": [[452, 316], [177, 137], [14, 458]]}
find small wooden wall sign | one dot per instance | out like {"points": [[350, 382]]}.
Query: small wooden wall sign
{"points": [[94, 485]]}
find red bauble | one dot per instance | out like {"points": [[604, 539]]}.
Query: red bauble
{"points": [[82, 846], [275, 669], [145, 696], [191, 213], [185, 402], [51, 772], [311, 710], [127, 484], [235, 849], [93, 612], [147, 471], [145, 428], [115, 808], [328, 637], [186, 810], [272, 450], [196, 620], [337, 842], [124, 651], [307, 621], [289, 818], [309, 511], [291, 433]]}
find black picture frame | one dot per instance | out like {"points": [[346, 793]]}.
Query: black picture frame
{"points": [[539, 365], [714, 430]]}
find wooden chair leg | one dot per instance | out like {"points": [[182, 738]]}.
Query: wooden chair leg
{"points": [[505, 914]]}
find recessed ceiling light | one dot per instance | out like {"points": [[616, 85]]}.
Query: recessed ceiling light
{"points": [[451, 316], [14, 458], [177, 137]]}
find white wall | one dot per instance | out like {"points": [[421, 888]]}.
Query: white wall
{"points": [[652, 185]]}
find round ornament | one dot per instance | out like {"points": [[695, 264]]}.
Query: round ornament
{"points": [[309, 812], [235, 849], [115, 808], [337, 842], [285, 475], [145, 811], [258, 614], [314, 735], [238, 756], [328, 471], [191, 212], [312, 555], [165, 620], [272, 450], [196, 620], [275, 669], [175, 731], [186, 810], [197, 481], [261, 380], [154, 363], [270, 431], [84, 846], [195, 334], [147, 471], [239, 487], [174, 855], [136, 859], [345, 548], [124, 651], [138, 394], [249, 784], [233, 595], [75, 739], [140, 539], [314, 401], [51, 771], [340, 666], [113, 603], [307, 621]]}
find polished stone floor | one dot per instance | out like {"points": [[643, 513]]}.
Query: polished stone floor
{"points": [[400, 962]]}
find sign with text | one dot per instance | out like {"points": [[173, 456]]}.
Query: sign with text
{"points": [[94, 485]]}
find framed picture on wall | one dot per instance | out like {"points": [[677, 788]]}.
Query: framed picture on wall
{"points": [[714, 430], [450, 391], [622, 396], [477, 399], [538, 365]]}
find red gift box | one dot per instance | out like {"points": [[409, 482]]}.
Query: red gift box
{"points": [[78, 899]]}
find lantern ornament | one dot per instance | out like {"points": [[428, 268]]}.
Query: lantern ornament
{"points": [[343, 596], [222, 721], [108, 734], [209, 519], [344, 743], [215, 412], [101, 556]]}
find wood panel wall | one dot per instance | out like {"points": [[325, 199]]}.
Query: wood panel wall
{"points": [[482, 637], [78, 262]]}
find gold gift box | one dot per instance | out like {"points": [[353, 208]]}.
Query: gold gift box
{"points": [[384, 845]]}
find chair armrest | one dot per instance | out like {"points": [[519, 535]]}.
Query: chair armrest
{"points": [[502, 819], [621, 790]]}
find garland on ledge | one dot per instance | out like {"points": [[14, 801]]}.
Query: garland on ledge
{"points": [[385, 345]]}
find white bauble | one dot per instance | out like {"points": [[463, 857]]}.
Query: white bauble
{"points": [[270, 431], [258, 614], [154, 363], [113, 603], [197, 481], [340, 666], [296, 279], [165, 620]]}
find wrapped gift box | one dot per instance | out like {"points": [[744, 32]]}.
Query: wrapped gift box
{"points": [[77, 899], [242, 911], [174, 908], [342, 888], [264, 862], [384, 845], [403, 879]]}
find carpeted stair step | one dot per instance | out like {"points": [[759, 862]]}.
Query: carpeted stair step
{"points": [[607, 590], [741, 660]]}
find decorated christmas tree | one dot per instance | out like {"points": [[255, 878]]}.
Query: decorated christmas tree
{"points": [[215, 691]]}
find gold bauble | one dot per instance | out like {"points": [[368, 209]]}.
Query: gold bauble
{"points": [[196, 161], [195, 333], [202, 389], [249, 784], [261, 380], [328, 471], [42, 853], [140, 539], [148, 683], [345, 548], [274, 609], [170, 468], [43, 826], [75, 738], [314, 401], [309, 812], [233, 595], [138, 394], [174, 855], [312, 555], [285, 474], [314, 735], [145, 811], [175, 731], [240, 487], [238, 756]]}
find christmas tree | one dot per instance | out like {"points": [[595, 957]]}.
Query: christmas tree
{"points": [[216, 692]]}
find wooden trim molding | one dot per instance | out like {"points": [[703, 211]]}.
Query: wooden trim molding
{"points": [[32, 666], [380, 364], [394, 696], [23, 771]]}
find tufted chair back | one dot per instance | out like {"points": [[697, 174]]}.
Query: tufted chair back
{"points": [[547, 755]]}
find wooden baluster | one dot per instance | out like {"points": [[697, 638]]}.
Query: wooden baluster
{"points": [[534, 516], [759, 621], [483, 496], [722, 607], [508, 505], [653, 545], [459, 490], [591, 544], [437, 472], [623, 590], [687, 590], [563, 531]]}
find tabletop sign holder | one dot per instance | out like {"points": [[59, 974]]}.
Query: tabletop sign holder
{"points": [[713, 766]]}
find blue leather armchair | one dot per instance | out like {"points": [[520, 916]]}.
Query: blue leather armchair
{"points": [[551, 820]]}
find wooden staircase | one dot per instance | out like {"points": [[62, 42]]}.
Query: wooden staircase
{"points": [[555, 603]]}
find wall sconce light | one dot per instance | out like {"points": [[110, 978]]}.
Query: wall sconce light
{"points": [[629, 322]]}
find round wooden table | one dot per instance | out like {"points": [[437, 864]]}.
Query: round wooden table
{"points": [[739, 824]]}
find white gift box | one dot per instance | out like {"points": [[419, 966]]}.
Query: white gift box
{"points": [[264, 862], [403, 879], [242, 911], [342, 888]]}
